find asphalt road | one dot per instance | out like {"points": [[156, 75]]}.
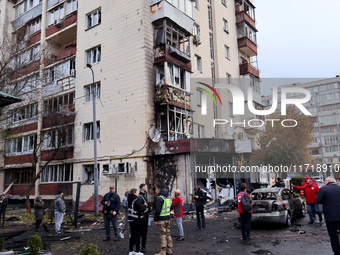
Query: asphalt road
{"points": [[220, 237]]}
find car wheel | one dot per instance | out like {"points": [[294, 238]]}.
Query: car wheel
{"points": [[303, 210], [288, 222]]}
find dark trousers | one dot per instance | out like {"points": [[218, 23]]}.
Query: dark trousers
{"points": [[245, 224], [107, 224], [144, 229], [199, 215], [37, 224], [136, 231], [2, 214], [332, 227]]}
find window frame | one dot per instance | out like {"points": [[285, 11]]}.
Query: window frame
{"points": [[88, 91], [93, 54], [91, 17], [88, 131], [198, 63]]}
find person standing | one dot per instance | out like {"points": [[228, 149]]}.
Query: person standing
{"points": [[177, 201], [200, 199], [59, 210], [111, 203], [135, 211], [245, 216], [3, 207], [38, 212], [311, 190], [280, 183], [163, 206], [125, 206], [143, 196], [329, 197]]}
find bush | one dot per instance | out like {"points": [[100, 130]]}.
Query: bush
{"points": [[35, 244], [2, 243], [90, 249]]}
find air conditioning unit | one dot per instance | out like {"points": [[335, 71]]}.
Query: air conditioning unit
{"points": [[109, 169], [124, 168], [58, 22], [197, 40]]}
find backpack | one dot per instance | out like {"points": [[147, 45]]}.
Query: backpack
{"points": [[245, 203]]}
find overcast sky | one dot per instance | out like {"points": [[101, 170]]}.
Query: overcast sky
{"points": [[298, 38]]}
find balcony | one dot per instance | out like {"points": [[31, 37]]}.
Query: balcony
{"points": [[244, 17], [168, 53], [164, 9], [246, 46], [247, 68], [67, 51], [167, 94], [27, 16], [64, 23]]}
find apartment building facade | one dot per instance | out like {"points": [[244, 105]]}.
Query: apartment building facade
{"points": [[146, 57], [325, 109]]}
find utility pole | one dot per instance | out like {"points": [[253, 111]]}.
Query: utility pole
{"points": [[95, 176]]}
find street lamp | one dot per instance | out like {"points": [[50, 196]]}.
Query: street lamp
{"points": [[96, 202]]}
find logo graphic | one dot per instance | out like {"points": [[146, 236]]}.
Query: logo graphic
{"points": [[204, 97]]}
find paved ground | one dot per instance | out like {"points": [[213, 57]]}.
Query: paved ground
{"points": [[220, 237]]}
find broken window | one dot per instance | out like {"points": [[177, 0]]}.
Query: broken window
{"points": [[89, 91], [61, 104], [20, 145], [178, 121], [168, 33], [56, 138], [88, 131], [89, 173], [94, 18], [57, 173], [22, 175], [93, 55]]}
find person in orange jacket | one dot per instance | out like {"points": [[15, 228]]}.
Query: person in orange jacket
{"points": [[311, 190]]}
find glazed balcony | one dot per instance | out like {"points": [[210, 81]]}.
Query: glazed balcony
{"points": [[244, 17], [246, 46], [247, 68], [68, 21], [179, 12]]}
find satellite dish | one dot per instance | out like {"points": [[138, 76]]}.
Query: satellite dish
{"points": [[230, 130], [154, 134]]}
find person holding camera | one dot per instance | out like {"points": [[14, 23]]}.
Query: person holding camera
{"points": [[200, 199], [111, 203]]}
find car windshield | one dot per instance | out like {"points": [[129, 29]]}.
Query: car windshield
{"points": [[264, 196]]}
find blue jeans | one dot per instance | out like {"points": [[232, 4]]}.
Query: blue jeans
{"points": [[180, 226], [245, 225], [313, 207]]}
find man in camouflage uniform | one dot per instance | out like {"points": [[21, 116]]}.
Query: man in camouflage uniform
{"points": [[163, 207]]}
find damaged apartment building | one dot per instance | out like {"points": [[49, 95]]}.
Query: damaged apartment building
{"points": [[149, 60]]}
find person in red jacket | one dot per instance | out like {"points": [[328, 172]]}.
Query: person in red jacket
{"points": [[245, 216], [177, 201], [311, 191], [304, 183]]}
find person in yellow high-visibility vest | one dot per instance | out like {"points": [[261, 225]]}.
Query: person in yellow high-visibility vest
{"points": [[163, 206]]}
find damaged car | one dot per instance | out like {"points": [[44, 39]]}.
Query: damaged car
{"points": [[276, 205]]}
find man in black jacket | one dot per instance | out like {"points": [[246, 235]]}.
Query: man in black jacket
{"points": [[163, 206], [280, 183], [145, 215], [111, 203], [200, 199], [329, 197], [3, 206]]}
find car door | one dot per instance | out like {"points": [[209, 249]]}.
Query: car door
{"points": [[286, 196]]}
